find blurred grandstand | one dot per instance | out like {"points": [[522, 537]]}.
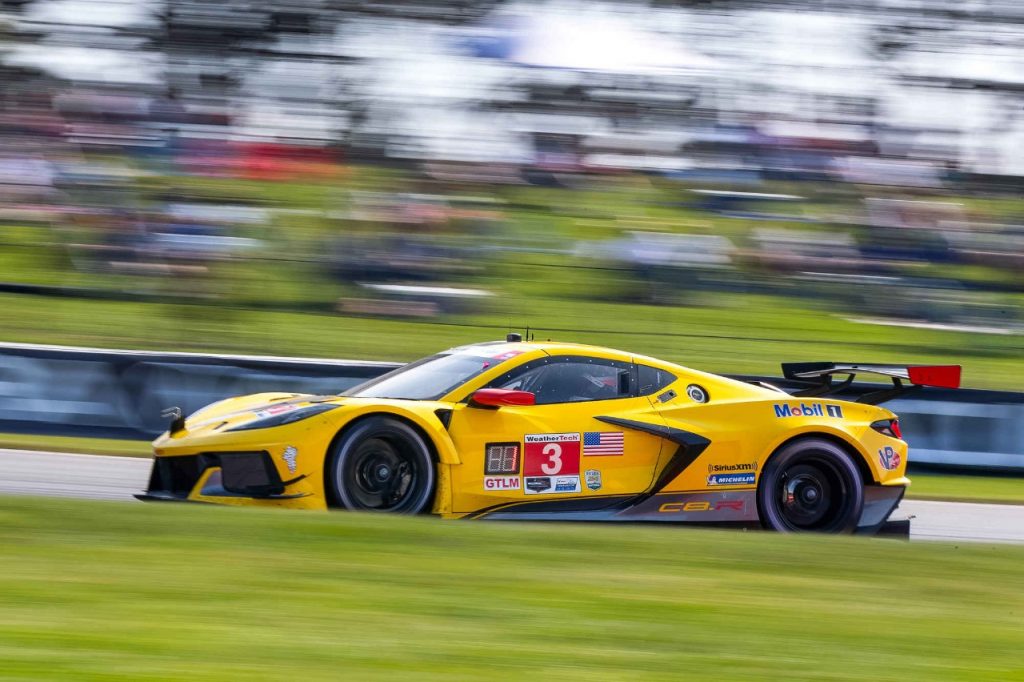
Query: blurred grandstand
{"points": [[412, 158]]}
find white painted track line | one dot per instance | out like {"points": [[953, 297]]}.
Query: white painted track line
{"points": [[57, 474]]}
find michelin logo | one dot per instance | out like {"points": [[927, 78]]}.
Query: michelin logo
{"points": [[731, 479], [805, 410]]}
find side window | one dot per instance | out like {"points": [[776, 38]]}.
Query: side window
{"points": [[653, 380], [521, 381], [569, 379]]}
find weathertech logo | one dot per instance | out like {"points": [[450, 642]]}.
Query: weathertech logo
{"points": [[805, 410]]}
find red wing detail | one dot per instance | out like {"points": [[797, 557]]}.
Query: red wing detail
{"points": [[944, 376]]}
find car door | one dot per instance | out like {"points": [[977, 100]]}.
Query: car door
{"points": [[556, 449]]}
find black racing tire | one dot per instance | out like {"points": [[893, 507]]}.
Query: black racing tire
{"points": [[381, 464], [810, 485]]}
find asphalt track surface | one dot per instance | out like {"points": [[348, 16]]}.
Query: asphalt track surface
{"points": [[54, 474]]}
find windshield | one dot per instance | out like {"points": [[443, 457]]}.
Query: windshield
{"points": [[429, 378]]}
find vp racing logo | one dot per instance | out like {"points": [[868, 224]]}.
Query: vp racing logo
{"points": [[888, 458], [805, 410]]}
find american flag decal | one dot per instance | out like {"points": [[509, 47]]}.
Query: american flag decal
{"points": [[603, 443]]}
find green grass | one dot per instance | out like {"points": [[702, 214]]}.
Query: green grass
{"points": [[90, 446], [99, 591], [731, 334], [540, 287], [561, 297], [967, 487]]}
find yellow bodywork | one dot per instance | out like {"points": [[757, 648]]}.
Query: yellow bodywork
{"points": [[745, 423]]}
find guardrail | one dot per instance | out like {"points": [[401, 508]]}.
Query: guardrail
{"points": [[963, 427], [119, 394]]}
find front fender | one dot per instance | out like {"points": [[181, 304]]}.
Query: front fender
{"points": [[422, 414], [235, 405]]}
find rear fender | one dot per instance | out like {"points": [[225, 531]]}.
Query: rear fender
{"points": [[840, 437]]}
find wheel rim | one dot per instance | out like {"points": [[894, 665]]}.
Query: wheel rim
{"points": [[382, 475], [812, 495]]}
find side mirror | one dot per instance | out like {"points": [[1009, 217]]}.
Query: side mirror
{"points": [[496, 397]]}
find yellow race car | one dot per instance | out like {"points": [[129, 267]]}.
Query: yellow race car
{"points": [[558, 431]]}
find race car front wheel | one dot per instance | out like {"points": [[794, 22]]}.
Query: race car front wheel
{"points": [[381, 464], [810, 485]]}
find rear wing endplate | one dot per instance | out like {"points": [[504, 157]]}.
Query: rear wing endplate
{"points": [[819, 375]]}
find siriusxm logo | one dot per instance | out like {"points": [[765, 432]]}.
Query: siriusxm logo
{"points": [[744, 466], [805, 410]]}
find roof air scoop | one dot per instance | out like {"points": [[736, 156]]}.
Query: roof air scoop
{"points": [[176, 417]]}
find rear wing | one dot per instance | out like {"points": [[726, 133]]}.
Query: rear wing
{"points": [[818, 376]]}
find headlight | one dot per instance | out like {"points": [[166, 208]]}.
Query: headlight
{"points": [[288, 417]]}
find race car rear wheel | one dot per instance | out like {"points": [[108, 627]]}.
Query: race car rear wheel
{"points": [[810, 485], [381, 464]]}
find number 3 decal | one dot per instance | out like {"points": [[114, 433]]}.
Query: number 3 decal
{"points": [[551, 454], [554, 463]]}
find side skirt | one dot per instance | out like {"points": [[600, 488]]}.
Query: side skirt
{"points": [[727, 506]]}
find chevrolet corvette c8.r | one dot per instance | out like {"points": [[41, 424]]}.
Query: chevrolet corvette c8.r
{"points": [[558, 431]]}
